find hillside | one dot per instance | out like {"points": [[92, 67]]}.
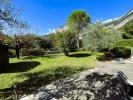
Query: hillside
{"points": [[120, 21]]}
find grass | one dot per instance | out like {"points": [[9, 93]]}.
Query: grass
{"points": [[29, 73]]}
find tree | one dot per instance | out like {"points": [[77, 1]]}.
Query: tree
{"points": [[9, 15], [98, 38], [46, 43], [54, 41], [66, 41], [27, 41], [77, 20]]}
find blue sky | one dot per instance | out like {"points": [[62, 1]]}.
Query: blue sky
{"points": [[50, 14]]}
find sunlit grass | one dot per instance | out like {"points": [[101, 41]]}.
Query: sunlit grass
{"points": [[57, 65]]}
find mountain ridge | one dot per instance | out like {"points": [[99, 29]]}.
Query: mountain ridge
{"points": [[119, 21]]}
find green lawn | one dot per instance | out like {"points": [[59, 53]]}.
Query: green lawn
{"points": [[32, 72]]}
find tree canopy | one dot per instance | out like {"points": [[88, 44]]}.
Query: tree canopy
{"points": [[76, 21], [99, 38], [9, 15]]}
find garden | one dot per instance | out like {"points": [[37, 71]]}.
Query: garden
{"points": [[36, 61]]}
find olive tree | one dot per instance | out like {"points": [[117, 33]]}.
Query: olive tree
{"points": [[98, 38], [10, 20]]}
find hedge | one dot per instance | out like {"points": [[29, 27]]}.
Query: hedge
{"points": [[33, 52], [121, 52]]}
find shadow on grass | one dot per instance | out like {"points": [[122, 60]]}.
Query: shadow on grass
{"points": [[20, 67], [35, 57], [108, 83], [39, 79], [78, 55]]}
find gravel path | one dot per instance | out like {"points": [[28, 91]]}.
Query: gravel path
{"points": [[100, 83], [113, 66]]}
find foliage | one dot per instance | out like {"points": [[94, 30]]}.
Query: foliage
{"points": [[128, 28], [67, 41], [98, 38], [45, 43], [9, 15], [11, 53], [121, 52], [32, 52], [24, 41], [76, 21], [127, 35], [125, 42], [29, 40], [54, 41]]}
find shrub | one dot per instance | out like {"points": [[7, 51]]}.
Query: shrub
{"points": [[33, 52], [37, 52], [106, 56], [25, 52], [121, 52]]}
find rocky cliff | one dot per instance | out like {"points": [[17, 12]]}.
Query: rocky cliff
{"points": [[120, 21]]}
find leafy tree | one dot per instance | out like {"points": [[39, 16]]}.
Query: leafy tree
{"points": [[46, 43], [9, 16], [30, 41], [54, 41], [66, 40], [77, 20], [21, 41], [98, 38]]}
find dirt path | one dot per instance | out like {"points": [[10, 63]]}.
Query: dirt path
{"points": [[100, 83], [112, 67]]}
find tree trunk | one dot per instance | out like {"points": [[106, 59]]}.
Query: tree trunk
{"points": [[66, 52], [17, 52], [78, 47]]}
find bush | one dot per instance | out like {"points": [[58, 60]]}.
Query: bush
{"points": [[121, 52], [37, 52], [33, 52], [106, 56]]}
